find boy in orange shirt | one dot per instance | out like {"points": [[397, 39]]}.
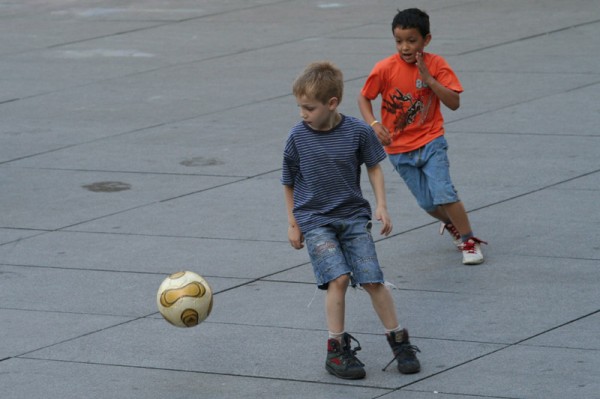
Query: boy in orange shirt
{"points": [[412, 85]]}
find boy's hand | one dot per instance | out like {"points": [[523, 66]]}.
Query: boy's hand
{"points": [[384, 136], [425, 75], [295, 237], [382, 215]]}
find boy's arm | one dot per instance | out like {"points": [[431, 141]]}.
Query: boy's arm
{"points": [[381, 213], [448, 97], [366, 110], [295, 236]]}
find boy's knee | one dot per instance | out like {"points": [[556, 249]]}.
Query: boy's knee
{"points": [[372, 287], [450, 204], [340, 282]]}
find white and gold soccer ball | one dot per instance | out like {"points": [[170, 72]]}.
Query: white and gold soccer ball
{"points": [[184, 299]]}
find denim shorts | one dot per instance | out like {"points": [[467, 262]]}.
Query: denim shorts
{"points": [[344, 247], [426, 172]]}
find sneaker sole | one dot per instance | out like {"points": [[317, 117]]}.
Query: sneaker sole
{"points": [[346, 377], [473, 262], [410, 371]]}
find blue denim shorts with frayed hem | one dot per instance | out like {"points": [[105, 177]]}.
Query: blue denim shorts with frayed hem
{"points": [[426, 172], [344, 247]]}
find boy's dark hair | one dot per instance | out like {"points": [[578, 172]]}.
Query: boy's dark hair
{"points": [[412, 18]]}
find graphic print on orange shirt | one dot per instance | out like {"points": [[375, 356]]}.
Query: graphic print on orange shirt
{"points": [[405, 108]]}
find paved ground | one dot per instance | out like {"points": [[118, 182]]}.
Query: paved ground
{"points": [[139, 138]]}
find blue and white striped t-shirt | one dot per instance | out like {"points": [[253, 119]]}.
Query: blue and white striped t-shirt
{"points": [[324, 169]]}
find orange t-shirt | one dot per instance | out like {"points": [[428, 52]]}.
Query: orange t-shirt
{"points": [[409, 109]]}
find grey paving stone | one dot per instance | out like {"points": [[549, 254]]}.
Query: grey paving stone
{"points": [[579, 334], [11, 236], [525, 372], [77, 380], [198, 348], [26, 330], [157, 255], [71, 197], [251, 216]]}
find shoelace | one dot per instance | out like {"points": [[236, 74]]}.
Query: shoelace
{"points": [[413, 349], [451, 229], [349, 353], [469, 246]]}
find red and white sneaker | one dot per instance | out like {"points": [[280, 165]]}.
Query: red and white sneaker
{"points": [[454, 234], [471, 250]]}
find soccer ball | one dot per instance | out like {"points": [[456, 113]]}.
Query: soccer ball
{"points": [[184, 299]]}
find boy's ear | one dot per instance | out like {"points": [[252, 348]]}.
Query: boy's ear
{"points": [[427, 38], [333, 102]]}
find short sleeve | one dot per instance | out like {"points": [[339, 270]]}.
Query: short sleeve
{"points": [[371, 149], [373, 85], [446, 76], [290, 165]]}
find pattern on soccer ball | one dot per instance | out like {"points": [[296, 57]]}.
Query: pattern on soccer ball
{"points": [[189, 317], [194, 289]]}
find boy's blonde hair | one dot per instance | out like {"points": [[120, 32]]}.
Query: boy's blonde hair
{"points": [[321, 81]]}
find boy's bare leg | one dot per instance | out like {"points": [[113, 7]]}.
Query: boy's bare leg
{"points": [[439, 214], [383, 303], [335, 303], [456, 214]]}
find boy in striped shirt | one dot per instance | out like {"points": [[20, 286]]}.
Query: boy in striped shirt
{"points": [[326, 209]]}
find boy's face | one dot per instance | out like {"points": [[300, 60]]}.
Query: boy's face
{"points": [[316, 114], [409, 42]]}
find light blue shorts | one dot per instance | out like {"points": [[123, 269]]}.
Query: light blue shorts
{"points": [[426, 172], [344, 247]]}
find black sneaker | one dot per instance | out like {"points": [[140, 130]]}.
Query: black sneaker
{"points": [[404, 352], [341, 359]]}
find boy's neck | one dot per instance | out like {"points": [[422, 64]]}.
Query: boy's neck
{"points": [[334, 120]]}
